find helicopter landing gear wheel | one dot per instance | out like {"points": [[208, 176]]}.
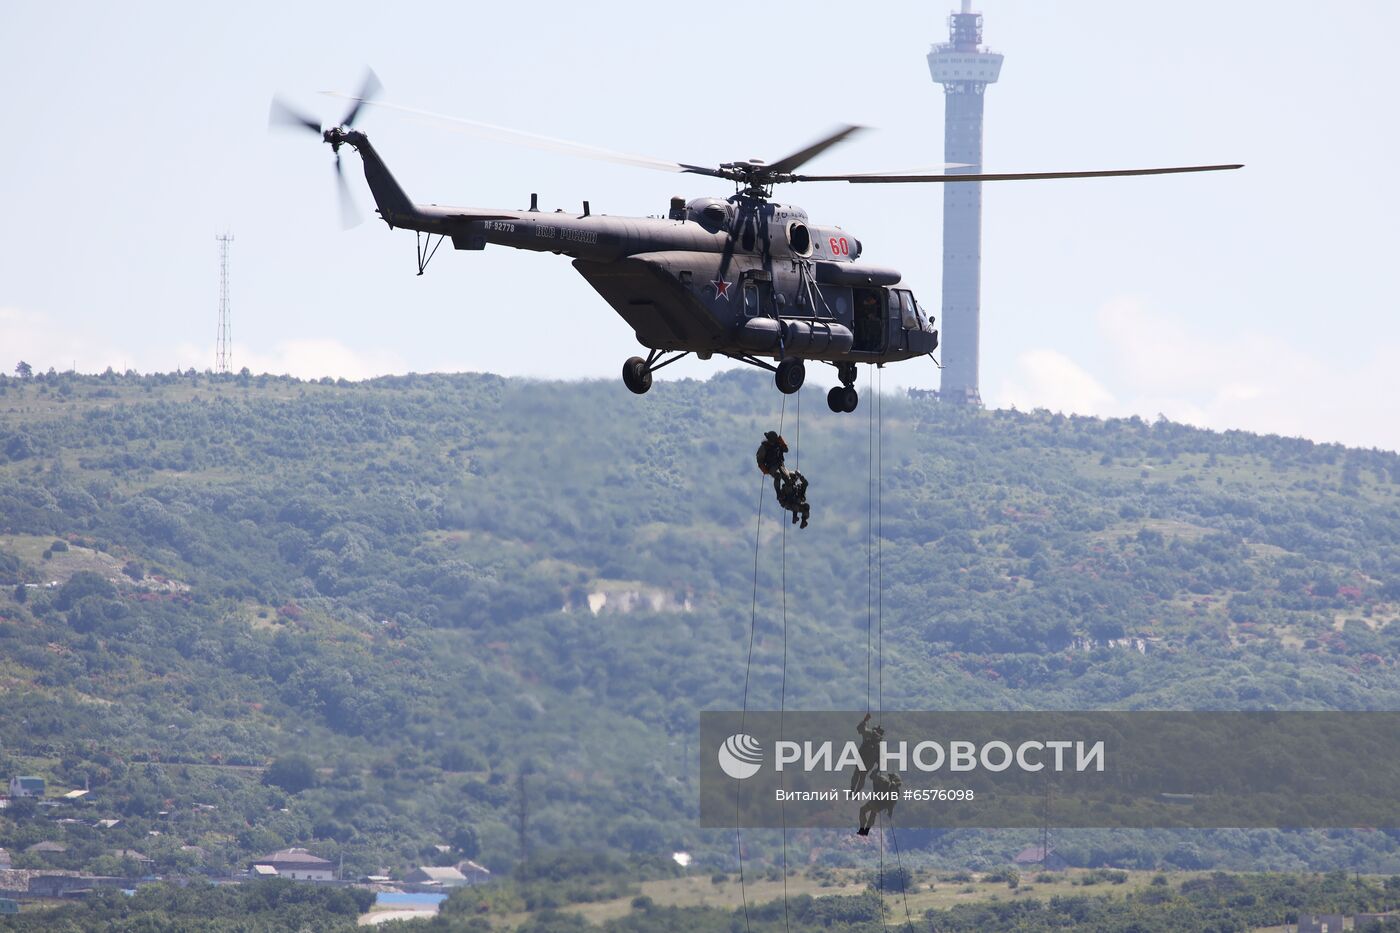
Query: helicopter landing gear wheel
{"points": [[636, 375], [636, 372], [790, 375], [842, 398]]}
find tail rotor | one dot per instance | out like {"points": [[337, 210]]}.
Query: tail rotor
{"points": [[282, 114]]}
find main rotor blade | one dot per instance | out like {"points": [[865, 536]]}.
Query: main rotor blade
{"points": [[536, 141], [921, 170], [368, 90], [803, 156], [1013, 176], [280, 114]]}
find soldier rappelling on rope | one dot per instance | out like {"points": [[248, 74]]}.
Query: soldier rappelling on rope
{"points": [[790, 486], [886, 787], [870, 739]]}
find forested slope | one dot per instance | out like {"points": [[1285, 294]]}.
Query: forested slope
{"points": [[408, 591]]}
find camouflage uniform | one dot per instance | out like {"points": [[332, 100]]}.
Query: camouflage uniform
{"points": [[869, 752], [790, 486], [770, 455], [882, 782], [792, 495]]}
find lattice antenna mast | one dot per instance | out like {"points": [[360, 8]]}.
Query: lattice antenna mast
{"points": [[223, 350]]}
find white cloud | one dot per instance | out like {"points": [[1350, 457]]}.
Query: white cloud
{"points": [[44, 343], [1049, 379], [1250, 381], [312, 359]]}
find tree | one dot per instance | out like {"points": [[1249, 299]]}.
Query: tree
{"points": [[82, 584], [19, 446], [24, 370], [465, 841], [292, 773]]}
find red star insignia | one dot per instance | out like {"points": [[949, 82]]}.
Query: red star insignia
{"points": [[721, 287]]}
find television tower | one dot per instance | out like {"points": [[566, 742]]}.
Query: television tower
{"points": [[964, 69], [223, 349]]}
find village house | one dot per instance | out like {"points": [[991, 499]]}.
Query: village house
{"points": [[26, 785], [1046, 858], [447, 877], [474, 873], [1320, 923], [137, 857], [296, 864]]}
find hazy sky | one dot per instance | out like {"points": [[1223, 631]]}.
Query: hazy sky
{"points": [[1263, 299]]}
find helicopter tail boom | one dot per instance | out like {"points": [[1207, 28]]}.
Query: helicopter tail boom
{"points": [[394, 205]]}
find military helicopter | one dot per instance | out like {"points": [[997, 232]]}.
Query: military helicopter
{"points": [[743, 276]]}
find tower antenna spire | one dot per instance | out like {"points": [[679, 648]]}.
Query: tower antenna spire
{"points": [[223, 348]]}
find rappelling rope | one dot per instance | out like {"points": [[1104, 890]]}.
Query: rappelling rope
{"points": [[880, 878], [870, 605], [869, 535], [879, 601], [748, 669], [743, 721], [899, 867], [875, 606], [879, 532], [782, 689]]}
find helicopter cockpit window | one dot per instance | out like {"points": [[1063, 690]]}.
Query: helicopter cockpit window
{"points": [[925, 322], [907, 314]]}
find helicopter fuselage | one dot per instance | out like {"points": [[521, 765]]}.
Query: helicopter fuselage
{"points": [[743, 277]]}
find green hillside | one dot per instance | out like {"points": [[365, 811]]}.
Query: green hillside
{"points": [[405, 593]]}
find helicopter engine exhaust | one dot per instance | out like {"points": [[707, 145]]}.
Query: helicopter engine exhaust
{"points": [[765, 334]]}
